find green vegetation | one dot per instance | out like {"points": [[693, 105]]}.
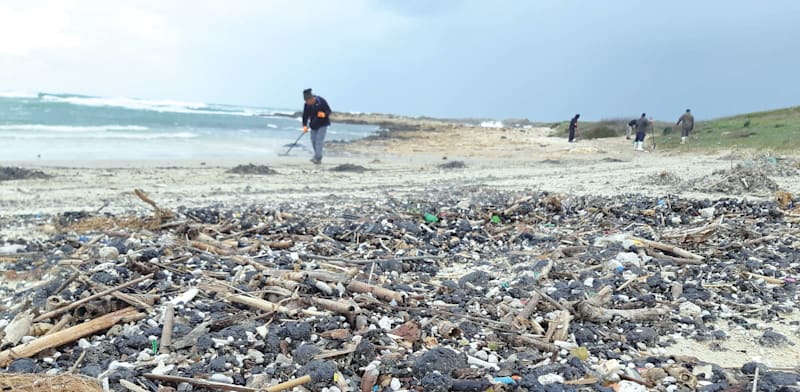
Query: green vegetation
{"points": [[772, 130], [594, 130], [777, 130]]}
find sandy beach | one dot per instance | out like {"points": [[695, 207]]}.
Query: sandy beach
{"points": [[399, 163], [405, 162]]}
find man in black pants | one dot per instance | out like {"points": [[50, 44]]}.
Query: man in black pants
{"points": [[642, 124], [316, 114], [573, 127]]}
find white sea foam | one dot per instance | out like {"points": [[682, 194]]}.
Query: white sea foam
{"points": [[70, 128], [18, 94], [492, 124], [273, 126], [105, 135], [131, 103]]}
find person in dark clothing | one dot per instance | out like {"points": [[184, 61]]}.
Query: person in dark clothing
{"points": [[316, 115], [687, 125], [642, 124], [573, 127], [629, 130]]}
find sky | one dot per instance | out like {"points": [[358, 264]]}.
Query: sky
{"points": [[539, 59]]}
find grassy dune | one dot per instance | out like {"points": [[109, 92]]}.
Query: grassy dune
{"points": [[777, 130]]}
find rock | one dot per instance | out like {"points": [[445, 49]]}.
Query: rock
{"points": [[551, 378], [217, 377], [443, 360], [644, 335], [773, 339], [23, 365], [707, 212], [305, 353], [630, 386], [321, 372], [436, 382], [628, 259], [690, 310], [108, 253], [750, 368]]}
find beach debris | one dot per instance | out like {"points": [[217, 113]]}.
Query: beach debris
{"points": [[19, 173], [662, 178], [348, 168], [252, 169], [736, 181], [458, 290], [452, 165]]}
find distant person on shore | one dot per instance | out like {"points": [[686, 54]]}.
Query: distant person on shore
{"points": [[642, 125], [573, 127], [316, 115], [629, 130], [687, 125]]}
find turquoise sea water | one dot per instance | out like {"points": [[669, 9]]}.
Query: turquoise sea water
{"points": [[76, 127]]}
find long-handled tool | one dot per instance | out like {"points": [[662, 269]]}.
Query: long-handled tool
{"points": [[293, 144]]}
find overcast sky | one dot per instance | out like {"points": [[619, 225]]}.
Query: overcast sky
{"points": [[541, 59]]}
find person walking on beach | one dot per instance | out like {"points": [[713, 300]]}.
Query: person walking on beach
{"points": [[687, 124], [642, 124], [573, 127], [629, 129], [316, 115]]}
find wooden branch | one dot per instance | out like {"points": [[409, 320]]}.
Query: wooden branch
{"points": [[340, 306], [127, 298], [369, 261], [667, 248], [767, 279], [559, 328], [166, 333], [68, 335], [380, 292], [201, 383], [90, 298], [131, 386], [523, 319], [289, 384], [677, 260]]}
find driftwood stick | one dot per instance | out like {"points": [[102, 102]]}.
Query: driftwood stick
{"points": [[131, 386], [368, 261], [677, 260], [166, 334], [667, 248], [550, 300], [341, 306], [257, 303], [66, 319], [211, 248], [380, 292], [522, 341], [523, 319], [200, 383], [90, 298], [71, 334], [127, 298], [767, 279], [559, 328], [289, 384]]}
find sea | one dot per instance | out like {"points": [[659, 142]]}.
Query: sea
{"points": [[67, 127]]}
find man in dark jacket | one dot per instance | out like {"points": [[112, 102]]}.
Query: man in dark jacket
{"points": [[629, 130], [687, 124], [316, 115], [642, 124], [573, 127]]}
